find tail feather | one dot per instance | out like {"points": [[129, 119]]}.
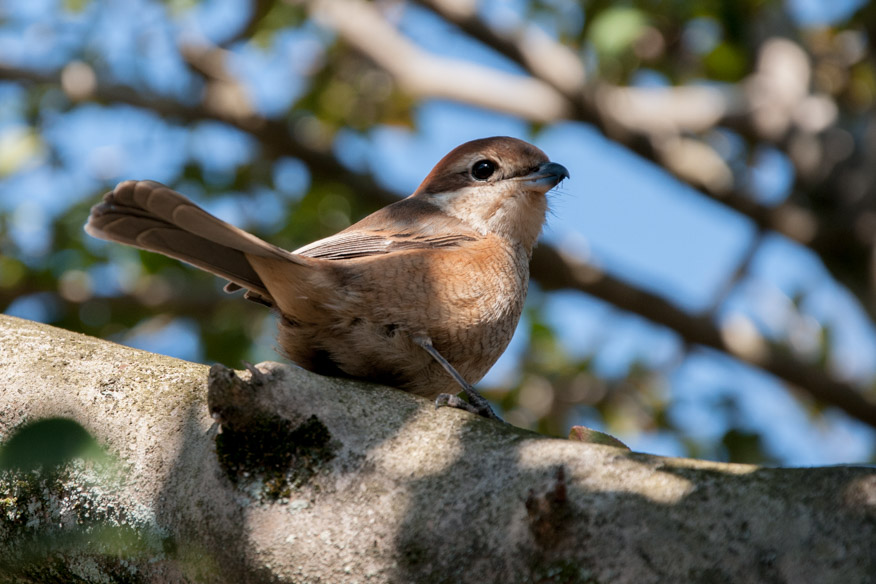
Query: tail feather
{"points": [[148, 215]]}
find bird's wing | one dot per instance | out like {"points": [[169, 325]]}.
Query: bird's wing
{"points": [[346, 246], [406, 225]]}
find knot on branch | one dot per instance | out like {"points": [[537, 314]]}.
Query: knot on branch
{"points": [[232, 401]]}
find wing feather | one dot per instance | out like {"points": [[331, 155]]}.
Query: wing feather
{"points": [[405, 225]]}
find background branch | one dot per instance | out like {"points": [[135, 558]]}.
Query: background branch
{"points": [[554, 271]]}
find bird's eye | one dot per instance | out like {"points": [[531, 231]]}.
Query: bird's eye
{"points": [[483, 169]]}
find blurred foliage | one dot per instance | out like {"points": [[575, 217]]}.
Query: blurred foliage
{"points": [[350, 92], [617, 29], [54, 479], [277, 17], [48, 444], [681, 40], [122, 294]]}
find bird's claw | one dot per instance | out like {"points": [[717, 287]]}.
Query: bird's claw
{"points": [[482, 408]]}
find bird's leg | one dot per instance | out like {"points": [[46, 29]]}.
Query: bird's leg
{"points": [[476, 403]]}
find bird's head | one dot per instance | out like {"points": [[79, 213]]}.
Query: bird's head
{"points": [[495, 185]]}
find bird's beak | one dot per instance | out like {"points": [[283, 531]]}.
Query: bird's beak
{"points": [[545, 178]]}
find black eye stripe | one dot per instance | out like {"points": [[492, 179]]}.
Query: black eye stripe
{"points": [[483, 169]]}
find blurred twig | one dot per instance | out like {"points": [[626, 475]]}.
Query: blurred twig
{"points": [[554, 270], [422, 74], [275, 136]]}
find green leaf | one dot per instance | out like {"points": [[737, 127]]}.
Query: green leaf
{"points": [[727, 62], [12, 272], [18, 146], [744, 447], [178, 7], [616, 29], [76, 6], [48, 443], [280, 16]]}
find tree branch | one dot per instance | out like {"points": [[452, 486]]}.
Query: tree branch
{"points": [[314, 479]]}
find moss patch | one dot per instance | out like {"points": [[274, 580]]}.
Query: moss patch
{"points": [[562, 572], [272, 449]]}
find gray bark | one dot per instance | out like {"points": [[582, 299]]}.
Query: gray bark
{"points": [[312, 479]]}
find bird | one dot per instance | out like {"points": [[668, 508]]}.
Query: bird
{"points": [[423, 295]]}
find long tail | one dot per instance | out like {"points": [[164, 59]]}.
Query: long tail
{"points": [[148, 215]]}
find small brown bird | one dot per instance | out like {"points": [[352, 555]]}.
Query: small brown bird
{"points": [[422, 295]]}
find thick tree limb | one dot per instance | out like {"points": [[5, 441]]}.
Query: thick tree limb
{"points": [[314, 479]]}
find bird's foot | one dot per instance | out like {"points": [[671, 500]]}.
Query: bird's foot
{"points": [[477, 404]]}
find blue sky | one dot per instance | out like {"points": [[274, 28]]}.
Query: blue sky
{"points": [[619, 212]]}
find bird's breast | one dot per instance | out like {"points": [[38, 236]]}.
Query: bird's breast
{"points": [[467, 299], [477, 300]]}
